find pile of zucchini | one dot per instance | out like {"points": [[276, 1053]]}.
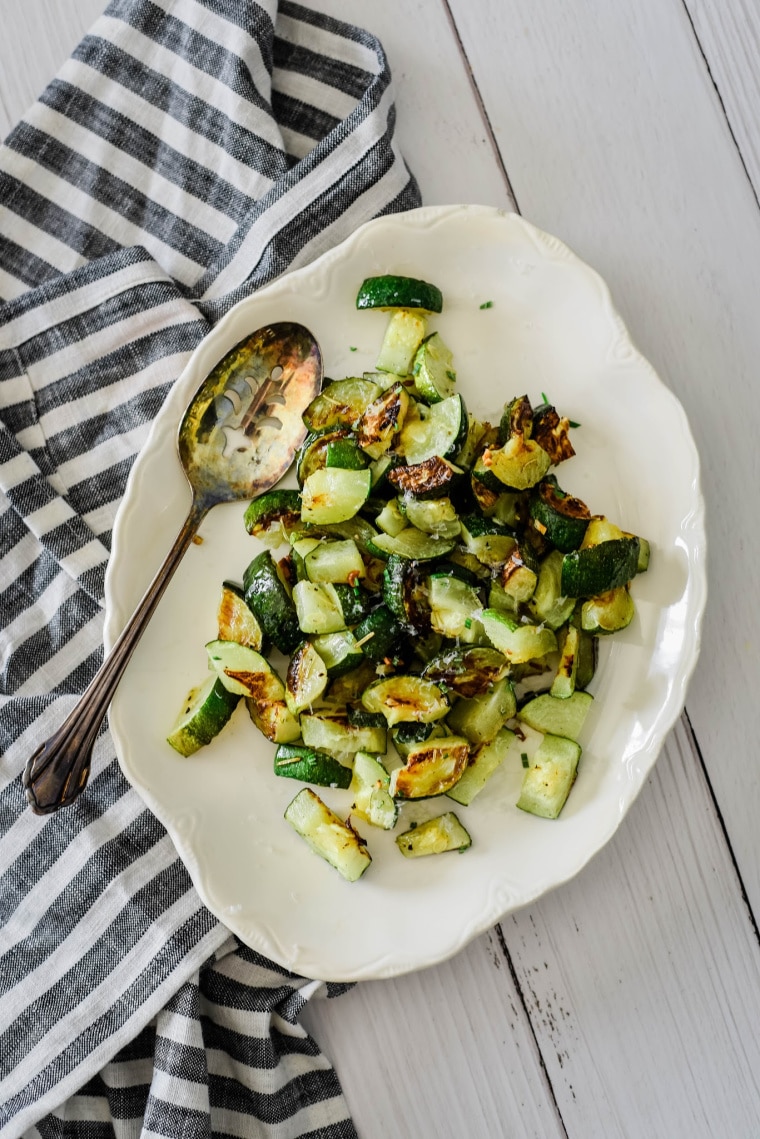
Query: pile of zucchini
{"points": [[440, 592]]}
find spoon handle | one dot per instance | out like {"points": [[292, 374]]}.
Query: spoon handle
{"points": [[58, 771]]}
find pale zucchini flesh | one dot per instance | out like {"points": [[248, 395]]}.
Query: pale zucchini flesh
{"points": [[549, 778], [435, 836], [328, 835]]}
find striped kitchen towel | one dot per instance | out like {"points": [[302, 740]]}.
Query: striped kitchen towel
{"points": [[188, 153]]}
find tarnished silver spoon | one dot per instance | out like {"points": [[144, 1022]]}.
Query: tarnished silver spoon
{"points": [[237, 439]]}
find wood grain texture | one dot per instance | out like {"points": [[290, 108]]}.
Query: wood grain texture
{"points": [[442, 133], [640, 976], [447, 1052], [615, 139], [729, 34]]}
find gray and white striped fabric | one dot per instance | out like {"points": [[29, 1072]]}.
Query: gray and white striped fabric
{"points": [[188, 153]]}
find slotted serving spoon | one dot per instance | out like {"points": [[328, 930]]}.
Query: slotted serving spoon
{"points": [[237, 439]]}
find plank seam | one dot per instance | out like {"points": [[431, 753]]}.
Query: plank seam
{"points": [[719, 97], [721, 823], [519, 990], [481, 105]]}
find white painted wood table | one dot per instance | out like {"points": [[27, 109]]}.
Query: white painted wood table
{"points": [[627, 1002]]}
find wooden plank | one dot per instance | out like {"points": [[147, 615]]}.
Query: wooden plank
{"points": [[441, 130], [640, 976], [654, 195], [447, 1052], [729, 36]]}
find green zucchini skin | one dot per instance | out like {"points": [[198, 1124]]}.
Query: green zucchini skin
{"points": [[294, 761], [393, 291], [403, 593], [599, 569], [381, 636], [559, 517], [467, 671], [314, 450], [276, 506], [271, 604]]}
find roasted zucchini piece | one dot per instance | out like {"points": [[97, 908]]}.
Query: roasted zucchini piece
{"points": [[413, 544], [330, 730], [563, 684], [333, 495], [273, 515], [346, 454], [552, 433], [519, 642], [549, 604], [341, 403], [518, 580], [479, 719], [394, 291], [339, 651], [318, 607], [405, 595], [559, 517], [235, 621], [245, 672], [549, 778], [439, 430], [390, 519], [470, 448], [372, 799], [269, 599], [489, 541], [455, 608], [435, 516], [593, 570], [338, 561], [380, 635], [519, 464], [205, 711], [404, 698], [382, 421], [405, 331], [306, 678], [435, 836], [433, 369], [327, 835], [467, 672], [557, 717], [406, 735], [609, 612], [482, 764], [516, 419], [433, 478], [431, 768], [312, 455], [294, 761]]}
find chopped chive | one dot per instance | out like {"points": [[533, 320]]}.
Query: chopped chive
{"points": [[487, 304], [573, 423], [524, 758], [544, 397], [468, 623], [352, 349]]}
